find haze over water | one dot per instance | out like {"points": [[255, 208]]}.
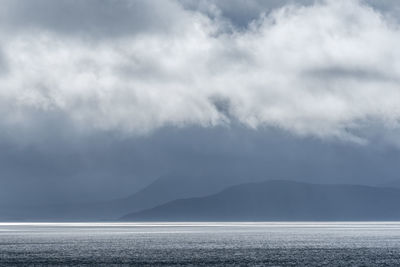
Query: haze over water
{"points": [[213, 243]]}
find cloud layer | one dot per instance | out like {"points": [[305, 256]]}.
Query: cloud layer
{"points": [[325, 69]]}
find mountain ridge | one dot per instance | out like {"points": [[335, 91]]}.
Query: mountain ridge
{"points": [[282, 200]]}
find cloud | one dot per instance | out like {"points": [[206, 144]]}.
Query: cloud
{"points": [[325, 69]]}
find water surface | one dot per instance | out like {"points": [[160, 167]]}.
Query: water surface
{"points": [[278, 244]]}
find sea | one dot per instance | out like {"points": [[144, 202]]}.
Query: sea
{"points": [[201, 244]]}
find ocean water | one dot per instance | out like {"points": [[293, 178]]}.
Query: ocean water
{"points": [[200, 244]]}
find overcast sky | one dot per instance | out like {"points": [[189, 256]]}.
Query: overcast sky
{"points": [[98, 98]]}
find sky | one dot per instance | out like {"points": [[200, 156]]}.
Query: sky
{"points": [[100, 98]]}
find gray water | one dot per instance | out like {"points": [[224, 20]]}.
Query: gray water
{"points": [[277, 244]]}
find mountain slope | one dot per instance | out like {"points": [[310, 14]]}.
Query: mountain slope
{"points": [[174, 186], [282, 200]]}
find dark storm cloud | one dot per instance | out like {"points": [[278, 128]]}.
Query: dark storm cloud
{"points": [[332, 73], [240, 13], [3, 63], [390, 7], [91, 18], [123, 17], [243, 12], [106, 167]]}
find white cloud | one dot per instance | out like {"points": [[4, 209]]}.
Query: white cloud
{"points": [[323, 70]]}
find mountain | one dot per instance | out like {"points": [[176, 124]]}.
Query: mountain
{"points": [[162, 190], [279, 201]]}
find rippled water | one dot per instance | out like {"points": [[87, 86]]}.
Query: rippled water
{"points": [[200, 244]]}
